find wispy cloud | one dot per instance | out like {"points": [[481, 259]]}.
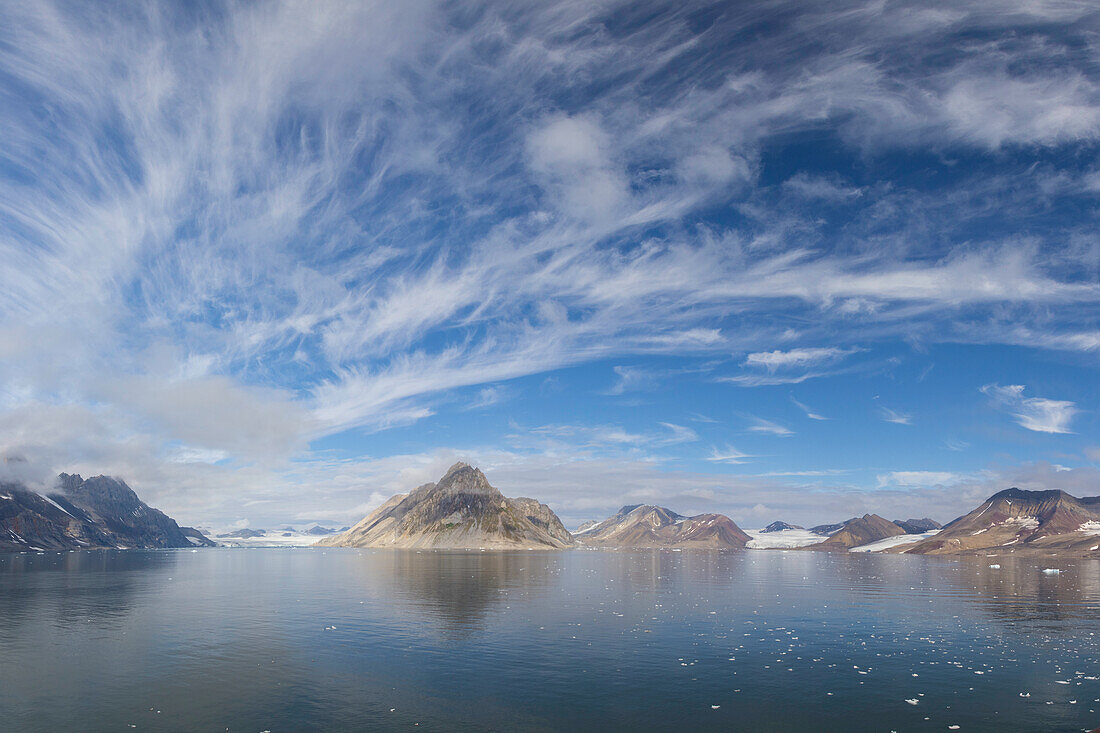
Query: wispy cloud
{"points": [[680, 434], [794, 366], [760, 425], [231, 233], [729, 454], [895, 416], [1034, 413], [919, 478], [809, 412], [487, 397], [829, 188], [630, 379], [774, 361]]}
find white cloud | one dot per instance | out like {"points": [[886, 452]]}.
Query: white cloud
{"points": [[918, 478], [487, 397], [729, 454], [571, 154], [792, 366], [809, 412], [761, 425], [304, 228], [1034, 413], [796, 358], [680, 434], [821, 187], [631, 379], [895, 416]]}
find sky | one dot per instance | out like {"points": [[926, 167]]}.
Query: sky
{"points": [[273, 262]]}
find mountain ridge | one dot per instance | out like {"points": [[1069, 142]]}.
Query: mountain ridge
{"points": [[1049, 521], [95, 513], [651, 526]]}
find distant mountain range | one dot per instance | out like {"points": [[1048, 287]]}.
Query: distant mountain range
{"points": [[461, 511], [644, 525], [464, 511], [99, 512], [249, 533]]}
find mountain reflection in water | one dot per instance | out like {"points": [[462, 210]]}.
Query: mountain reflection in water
{"points": [[346, 639]]}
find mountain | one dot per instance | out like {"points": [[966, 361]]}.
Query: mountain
{"points": [[585, 526], [859, 531], [99, 512], [461, 511], [197, 538], [242, 534], [918, 526], [641, 525], [1019, 521], [827, 529], [780, 526]]}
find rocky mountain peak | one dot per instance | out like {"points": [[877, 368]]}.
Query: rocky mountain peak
{"points": [[780, 526], [104, 490], [463, 478], [68, 481]]}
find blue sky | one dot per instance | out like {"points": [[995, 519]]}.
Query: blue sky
{"points": [[276, 261]]}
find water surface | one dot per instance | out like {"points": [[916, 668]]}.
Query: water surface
{"points": [[307, 639]]}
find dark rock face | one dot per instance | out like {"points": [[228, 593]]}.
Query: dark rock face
{"points": [[28, 521], [99, 512], [645, 526], [113, 505], [462, 511], [197, 538], [320, 531], [779, 527], [918, 526]]}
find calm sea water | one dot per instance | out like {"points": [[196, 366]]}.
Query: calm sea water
{"points": [[304, 639]]}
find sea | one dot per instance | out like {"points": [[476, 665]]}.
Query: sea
{"points": [[309, 639]]}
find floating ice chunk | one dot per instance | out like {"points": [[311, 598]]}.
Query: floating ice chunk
{"points": [[1051, 571], [994, 567], [715, 707], [912, 700]]}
